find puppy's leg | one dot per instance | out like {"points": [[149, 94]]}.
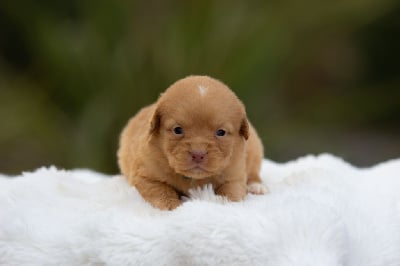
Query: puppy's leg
{"points": [[255, 186], [233, 190], [253, 165], [160, 195], [254, 183]]}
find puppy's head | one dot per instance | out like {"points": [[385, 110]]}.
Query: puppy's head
{"points": [[198, 123]]}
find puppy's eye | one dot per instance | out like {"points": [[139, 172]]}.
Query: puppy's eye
{"points": [[178, 130], [220, 132]]}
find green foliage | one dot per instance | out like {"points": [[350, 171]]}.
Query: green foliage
{"points": [[314, 76]]}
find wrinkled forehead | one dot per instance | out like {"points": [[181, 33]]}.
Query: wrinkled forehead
{"points": [[199, 113], [201, 104]]}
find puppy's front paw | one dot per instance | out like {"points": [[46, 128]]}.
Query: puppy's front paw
{"points": [[166, 204], [257, 188], [233, 191], [159, 195]]}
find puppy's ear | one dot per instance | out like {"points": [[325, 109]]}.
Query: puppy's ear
{"points": [[155, 122], [244, 129]]}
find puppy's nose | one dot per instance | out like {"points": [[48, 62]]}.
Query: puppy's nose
{"points": [[198, 156]]}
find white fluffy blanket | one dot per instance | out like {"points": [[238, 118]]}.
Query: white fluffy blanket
{"points": [[321, 211]]}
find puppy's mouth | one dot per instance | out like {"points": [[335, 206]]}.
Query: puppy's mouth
{"points": [[196, 172]]}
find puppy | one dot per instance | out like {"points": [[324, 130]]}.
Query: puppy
{"points": [[197, 133]]}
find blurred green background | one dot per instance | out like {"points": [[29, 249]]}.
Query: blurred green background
{"points": [[315, 76]]}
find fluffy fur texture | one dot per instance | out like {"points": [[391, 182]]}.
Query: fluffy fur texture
{"points": [[197, 133], [321, 211]]}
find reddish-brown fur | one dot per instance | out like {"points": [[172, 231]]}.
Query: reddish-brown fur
{"points": [[158, 162]]}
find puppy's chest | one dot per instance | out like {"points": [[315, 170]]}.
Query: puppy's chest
{"points": [[184, 184]]}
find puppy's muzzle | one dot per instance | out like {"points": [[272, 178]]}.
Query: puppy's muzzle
{"points": [[198, 156]]}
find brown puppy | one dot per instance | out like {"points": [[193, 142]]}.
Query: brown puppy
{"points": [[197, 133]]}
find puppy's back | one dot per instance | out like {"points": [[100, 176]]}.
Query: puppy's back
{"points": [[132, 137], [255, 153]]}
